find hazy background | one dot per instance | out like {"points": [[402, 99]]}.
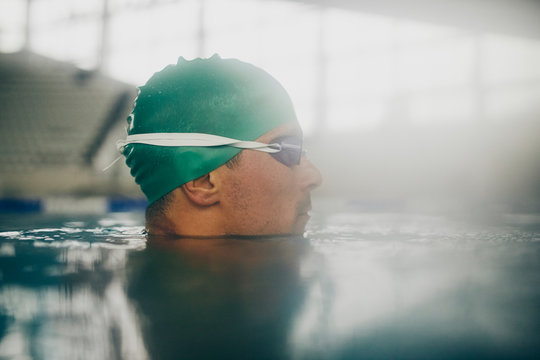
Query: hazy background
{"points": [[406, 104]]}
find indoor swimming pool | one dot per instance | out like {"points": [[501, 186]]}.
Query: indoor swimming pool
{"points": [[359, 285]]}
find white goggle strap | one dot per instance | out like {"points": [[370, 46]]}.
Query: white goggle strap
{"points": [[194, 139]]}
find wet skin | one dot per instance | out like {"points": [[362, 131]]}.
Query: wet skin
{"points": [[264, 196]]}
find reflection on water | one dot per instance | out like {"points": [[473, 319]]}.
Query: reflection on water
{"points": [[217, 298], [62, 292], [359, 286]]}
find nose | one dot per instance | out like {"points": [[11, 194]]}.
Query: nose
{"points": [[311, 177]]}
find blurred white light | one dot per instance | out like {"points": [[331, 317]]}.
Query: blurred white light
{"points": [[12, 23], [344, 70]]}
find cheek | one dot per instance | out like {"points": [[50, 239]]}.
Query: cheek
{"points": [[263, 197], [272, 185]]}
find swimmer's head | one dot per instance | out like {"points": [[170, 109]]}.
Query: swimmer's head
{"points": [[223, 97]]}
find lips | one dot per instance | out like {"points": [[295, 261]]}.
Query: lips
{"points": [[304, 215], [305, 212], [304, 207]]}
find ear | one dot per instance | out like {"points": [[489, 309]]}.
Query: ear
{"points": [[203, 191]]}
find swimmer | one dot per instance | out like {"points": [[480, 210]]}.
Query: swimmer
{"points": [[216, 147]]}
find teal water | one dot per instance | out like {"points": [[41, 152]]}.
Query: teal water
{"points": [[359, 285]]}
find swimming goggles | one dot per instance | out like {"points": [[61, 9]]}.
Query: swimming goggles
{"points": [[285, 149]]}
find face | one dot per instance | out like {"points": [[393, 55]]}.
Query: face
{"points": [[263, 196]]}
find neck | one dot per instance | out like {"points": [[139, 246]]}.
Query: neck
{"points": [[187, 220]]}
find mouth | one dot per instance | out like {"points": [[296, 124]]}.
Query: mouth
{"points": [[304, 213], [303, 217], [304, 208]]}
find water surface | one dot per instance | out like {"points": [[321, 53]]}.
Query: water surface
{"points": [[359, 285]]}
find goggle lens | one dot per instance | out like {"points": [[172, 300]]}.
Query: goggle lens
{"points": [[290, 152]]}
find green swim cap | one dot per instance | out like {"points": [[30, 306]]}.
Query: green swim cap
{"points": [[224, 97]]}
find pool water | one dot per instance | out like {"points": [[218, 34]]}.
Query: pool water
{"points": [[359, 285]]}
